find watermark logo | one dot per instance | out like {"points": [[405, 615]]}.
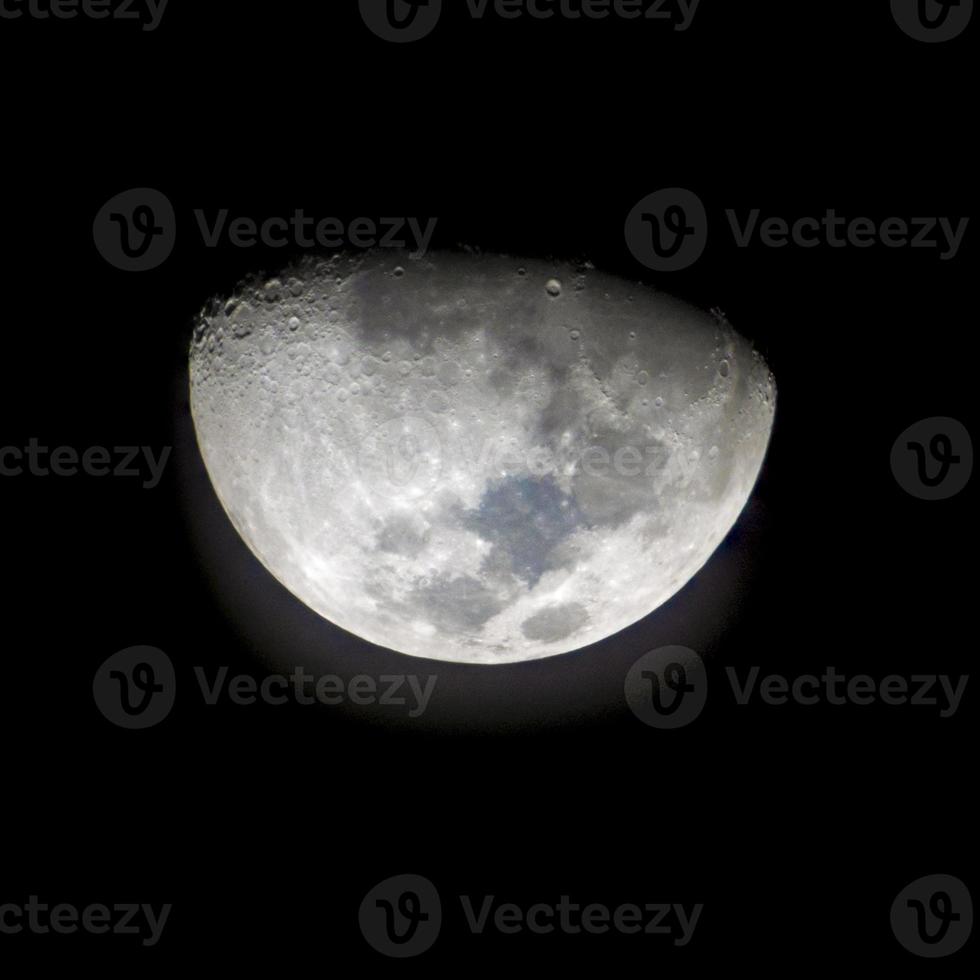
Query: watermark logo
{"points": [[667, 687], [401, 21], [135, 231], [406, 457], [401, 916], [933, 916], [147, 13], [942, 235], [832, 687], [136, 687], [408, 691], [932, 21], [933, 459], [303, 231], [670, 919], [402, 458], [65, 919], [668, 230], [37, 460]]}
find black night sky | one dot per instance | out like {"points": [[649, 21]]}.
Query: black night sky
{"points": [[796, 825]]}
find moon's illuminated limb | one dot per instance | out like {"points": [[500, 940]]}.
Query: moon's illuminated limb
{"points": [[475, 458]]}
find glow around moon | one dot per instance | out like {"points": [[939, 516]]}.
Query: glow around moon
{"points": [[476, 458]]}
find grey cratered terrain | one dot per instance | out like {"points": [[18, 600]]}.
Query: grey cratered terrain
{"points": [[472, 457]]}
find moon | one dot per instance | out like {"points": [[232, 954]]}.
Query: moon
{"points": [[471, 457]]}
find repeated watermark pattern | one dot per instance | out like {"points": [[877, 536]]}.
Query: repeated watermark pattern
{"points": [[40, 919], [933, 459], [147, 14], [136, 688], [407, 456], [933, 916], [403, 916], [668, 688], [128, 462], [406, 21], [136, 231], [668, 231]]}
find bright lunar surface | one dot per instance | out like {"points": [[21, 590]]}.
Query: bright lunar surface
{"points": [[471, 457]]}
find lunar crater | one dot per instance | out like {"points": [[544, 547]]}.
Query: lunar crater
{"points": [[463, 462]]}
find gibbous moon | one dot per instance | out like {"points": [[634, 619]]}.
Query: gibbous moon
{"points": [[476, 458]]}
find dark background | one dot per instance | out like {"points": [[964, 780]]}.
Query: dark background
{"points": [[265, 826]]}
